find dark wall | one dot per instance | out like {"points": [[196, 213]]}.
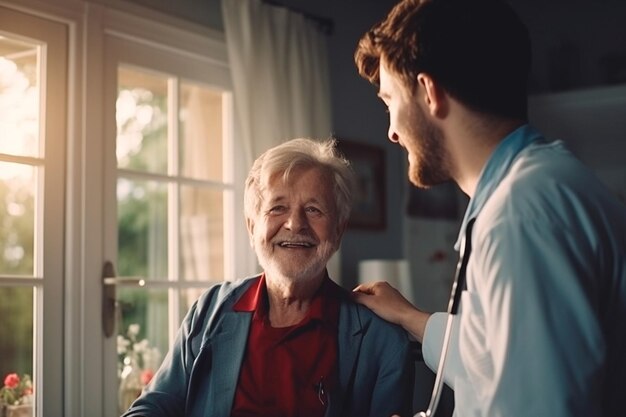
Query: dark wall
{"points": [[577, 44]]}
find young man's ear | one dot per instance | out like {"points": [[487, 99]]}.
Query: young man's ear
{"points": [[435, 98]]}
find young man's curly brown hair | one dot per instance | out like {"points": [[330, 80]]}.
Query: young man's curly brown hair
{"points": [[478, 51]]}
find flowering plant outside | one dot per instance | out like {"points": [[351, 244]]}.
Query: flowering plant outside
{"points": [[16, 390], [138, 353]]}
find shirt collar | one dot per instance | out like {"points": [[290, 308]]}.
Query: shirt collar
{"points": [[324, 305], [495, 170], [251, 298]]}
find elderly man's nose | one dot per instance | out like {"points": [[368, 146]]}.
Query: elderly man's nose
{"points": [[297, 220]]}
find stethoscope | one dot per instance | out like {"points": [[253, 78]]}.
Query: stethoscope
{"points": [[453, 307]]}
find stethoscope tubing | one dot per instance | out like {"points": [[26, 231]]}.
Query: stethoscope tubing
{"points": [[453, 307]]}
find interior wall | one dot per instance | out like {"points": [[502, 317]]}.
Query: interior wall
{"points": [[592, 123], [577, 44]]}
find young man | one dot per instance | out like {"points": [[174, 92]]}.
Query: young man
{"points": [[540, 329], [288, 342]]}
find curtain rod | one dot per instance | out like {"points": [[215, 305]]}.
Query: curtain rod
{"points": [[325, 24]]}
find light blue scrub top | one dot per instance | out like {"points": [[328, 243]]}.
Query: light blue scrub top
{"points": [[540, 331]]}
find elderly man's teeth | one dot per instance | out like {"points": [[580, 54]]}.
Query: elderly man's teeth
{"points": [[296, 245]]}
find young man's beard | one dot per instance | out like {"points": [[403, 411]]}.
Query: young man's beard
{"points": [[430, 164]]}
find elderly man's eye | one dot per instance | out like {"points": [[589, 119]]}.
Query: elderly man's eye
{"points": [[277, 209]]}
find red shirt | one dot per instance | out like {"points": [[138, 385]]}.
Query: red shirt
{"points": [[287, 372]]}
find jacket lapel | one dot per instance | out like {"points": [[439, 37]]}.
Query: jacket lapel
{"points": [[349, 337], [228, 346]]}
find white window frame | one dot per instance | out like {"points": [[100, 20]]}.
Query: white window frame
{"points": [[49, 266], [123, 48], [124, 35], [78, 388]]}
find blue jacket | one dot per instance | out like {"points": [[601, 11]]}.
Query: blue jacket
{"points": [[199, 375]]}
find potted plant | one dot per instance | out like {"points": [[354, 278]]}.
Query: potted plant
{"points": [[16, 396]]}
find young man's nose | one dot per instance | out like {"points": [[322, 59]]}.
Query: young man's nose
{"points": [[393, 136]]}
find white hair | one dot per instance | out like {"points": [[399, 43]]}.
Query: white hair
{"points": [[301, 153]]}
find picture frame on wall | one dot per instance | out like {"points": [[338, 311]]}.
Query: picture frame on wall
{"points": [[368, 163]]}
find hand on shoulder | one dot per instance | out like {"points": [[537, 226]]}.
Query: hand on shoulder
{"points": [[388, 303]]}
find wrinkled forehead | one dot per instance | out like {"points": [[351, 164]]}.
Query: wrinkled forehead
{"points": [[320, 183], [287, 176]]}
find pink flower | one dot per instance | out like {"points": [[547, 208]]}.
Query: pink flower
{"points": [[16, 389], [146, 376], [11, 381]]}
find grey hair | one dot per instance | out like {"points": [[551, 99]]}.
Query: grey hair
{"points": [[301, 153]]}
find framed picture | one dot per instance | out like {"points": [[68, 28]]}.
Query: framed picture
{"points": [[368, 163]]}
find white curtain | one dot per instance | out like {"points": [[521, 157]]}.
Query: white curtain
{"points": [[279, 67]]}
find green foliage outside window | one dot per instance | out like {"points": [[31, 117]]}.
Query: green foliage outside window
{"points": [[142, 206], [16, 258]]}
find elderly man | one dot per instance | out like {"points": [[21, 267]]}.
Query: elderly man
{"points": [[288, 342]]}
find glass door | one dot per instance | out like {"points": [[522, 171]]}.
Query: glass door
{"points": [[33, 100], [168, 170]]}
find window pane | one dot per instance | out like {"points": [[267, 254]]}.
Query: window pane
{"points": [[141, 113], [16, 334], [201, 133], [188, 297], [19, 98], [17, 219], [142, 229], [142, 339], [202, 234]]}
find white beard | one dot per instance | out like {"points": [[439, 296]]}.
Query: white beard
{"points": [[281, 267]]}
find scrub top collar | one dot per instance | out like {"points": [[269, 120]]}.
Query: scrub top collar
{"points": [[495, 170]]}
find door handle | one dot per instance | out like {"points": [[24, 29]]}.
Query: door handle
{"points": [[109, 302], [110, 281]]}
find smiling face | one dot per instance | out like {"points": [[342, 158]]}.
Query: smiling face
{"points": [[295, 231], [410, 127]]}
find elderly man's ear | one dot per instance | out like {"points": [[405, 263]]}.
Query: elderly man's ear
{"points": [[250, 227], [341, 228]]}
